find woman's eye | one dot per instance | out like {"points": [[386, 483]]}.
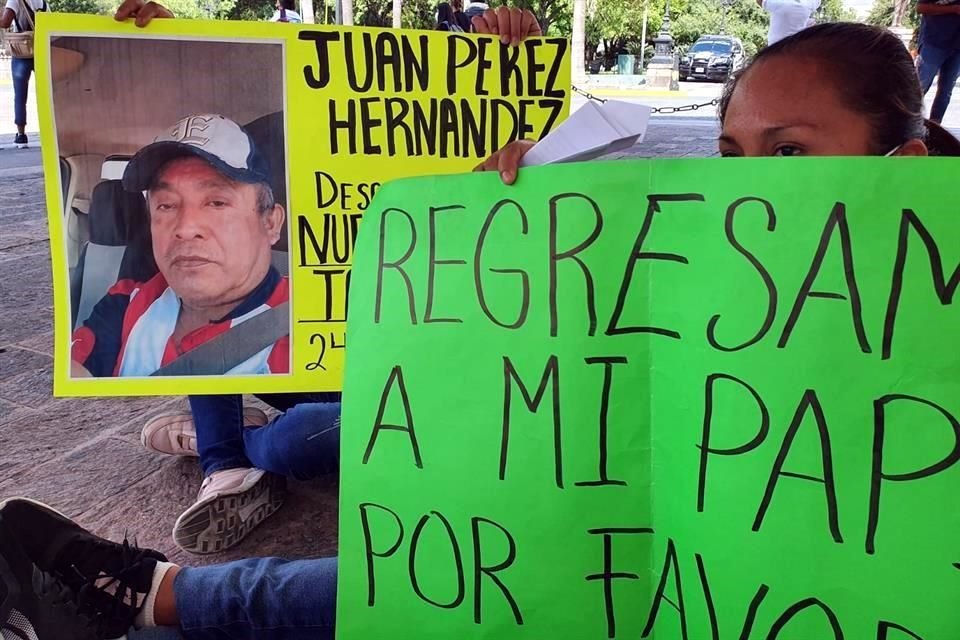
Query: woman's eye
{"points": [[787, 150], [218, 203], [729, 154]]}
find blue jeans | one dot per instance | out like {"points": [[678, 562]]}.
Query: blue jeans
{"points": [[262, 598], [946, 62], [22, 68], [302, 443]]}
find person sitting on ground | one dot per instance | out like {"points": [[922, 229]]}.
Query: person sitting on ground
{"points": [[243, 455], [774, 108], [213, 223], [245, 458]]}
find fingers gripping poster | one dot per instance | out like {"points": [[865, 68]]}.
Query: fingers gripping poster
{"points": [[679, 400], [207, 182]]}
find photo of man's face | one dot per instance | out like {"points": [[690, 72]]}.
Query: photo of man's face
{"points": [[175, 234], [212, 236]]}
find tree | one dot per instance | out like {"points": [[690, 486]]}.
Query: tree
{"points": [[835, 11], [81, 6], [741, 18], [884, 14], [614, 23], [551, 14], [200, 9], [373, 13], [249, 10], [419, 14]]}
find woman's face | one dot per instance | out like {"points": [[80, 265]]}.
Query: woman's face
{"points": [[789, 107]]}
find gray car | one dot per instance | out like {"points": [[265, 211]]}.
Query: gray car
{"points": [[712, 58]]}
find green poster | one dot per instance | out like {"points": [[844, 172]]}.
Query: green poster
{"points": [[656, 399]]}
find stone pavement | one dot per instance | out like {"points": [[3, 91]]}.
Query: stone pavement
{"points": [[83, 456]]}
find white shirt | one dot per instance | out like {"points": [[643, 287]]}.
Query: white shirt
{"points": [[292, 16], [19, 8], [788, 17]]}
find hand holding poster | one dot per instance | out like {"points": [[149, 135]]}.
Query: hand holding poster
{"points": [[289, 130], [667, 399]]}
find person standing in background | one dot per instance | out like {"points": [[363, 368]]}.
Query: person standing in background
{"points": [[286, 12], [447, 19], [21, 15], [787, 17], [939, 51], [475, 9], [458, 14]]}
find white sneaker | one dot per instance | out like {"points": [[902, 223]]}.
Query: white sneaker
{"points": [[229, 505], [174, 434]]}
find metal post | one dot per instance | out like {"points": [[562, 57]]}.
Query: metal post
{"points": [[661, 71], [306, 11], [663, 43]]}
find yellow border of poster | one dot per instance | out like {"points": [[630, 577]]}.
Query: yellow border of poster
{"points": [[478, 93]]}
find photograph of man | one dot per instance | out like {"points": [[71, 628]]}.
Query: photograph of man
{"points": [[217, 305]]}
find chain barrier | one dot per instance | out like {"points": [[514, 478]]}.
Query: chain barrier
{"points": [[656, 110]]}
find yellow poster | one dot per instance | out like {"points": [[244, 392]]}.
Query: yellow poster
{"points": [[206, 182]]}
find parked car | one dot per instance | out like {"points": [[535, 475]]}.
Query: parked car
{"points": [[712, 58]]}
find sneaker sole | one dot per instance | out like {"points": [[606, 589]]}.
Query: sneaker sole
{"points": [[220, 523]]}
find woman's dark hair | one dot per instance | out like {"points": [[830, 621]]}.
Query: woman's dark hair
{"points": [[445, 13], [874, 75], [289, 5]]}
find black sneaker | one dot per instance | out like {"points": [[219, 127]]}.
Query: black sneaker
{"points": [[21, 141], [35, 605], [111, 580]]}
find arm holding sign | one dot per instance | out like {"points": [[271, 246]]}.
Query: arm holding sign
{"points": [[142, 12], [511, 24], [506, 161]]}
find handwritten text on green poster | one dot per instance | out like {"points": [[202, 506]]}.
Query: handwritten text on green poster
{"points": [[668, 399]]}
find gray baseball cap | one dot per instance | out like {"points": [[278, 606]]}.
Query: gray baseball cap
{"points": [[216, 139]]}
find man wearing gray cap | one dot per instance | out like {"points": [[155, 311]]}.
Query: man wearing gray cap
{"points": [[213, 222]]}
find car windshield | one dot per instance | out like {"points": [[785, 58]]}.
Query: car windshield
{"points": [[712, 47]]}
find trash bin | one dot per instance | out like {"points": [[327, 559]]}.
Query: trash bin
{"points": [[626, 64]]}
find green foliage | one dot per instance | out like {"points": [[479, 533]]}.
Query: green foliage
{"points": [[881, 14], [83, 6], [415, 14], [200, 9], [373, 13], [250, 10], [835, 11], [418, 14], [741, 18], [555, 16], [615, 23]]}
